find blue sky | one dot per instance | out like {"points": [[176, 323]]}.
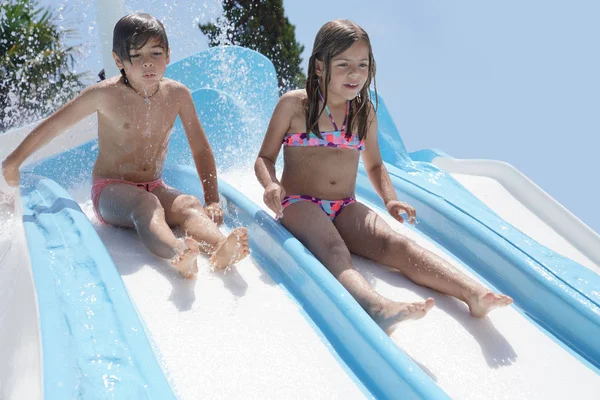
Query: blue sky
{"points": [[517, 81]]}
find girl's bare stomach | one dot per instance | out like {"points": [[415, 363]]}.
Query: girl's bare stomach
{"points": [[324, 173]]}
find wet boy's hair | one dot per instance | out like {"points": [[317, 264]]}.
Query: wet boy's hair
{"points": [[334, 38], [133, 31]]}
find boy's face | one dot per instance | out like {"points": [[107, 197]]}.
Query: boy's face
{"points": [[349, 71], [148, 63]]}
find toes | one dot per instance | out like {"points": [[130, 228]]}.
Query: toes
{"points": [[191, 243], [429, 303], [425, 305], [497, 299]]}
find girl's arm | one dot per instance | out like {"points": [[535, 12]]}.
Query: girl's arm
{"points": [[69, 114], [201, 151], [379, 176], [264, 167], [278, 127]]}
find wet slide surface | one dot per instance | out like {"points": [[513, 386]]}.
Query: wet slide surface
{"points": [[493, 194], [239, 334], [223, 335], [502, 356], [233, 334]]}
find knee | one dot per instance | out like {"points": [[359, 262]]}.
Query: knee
{"points": [[185, 203], [147, 207], [398, 245], [337, 254]]}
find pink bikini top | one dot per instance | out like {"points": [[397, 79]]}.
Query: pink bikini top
{"points": [[338, 138]]}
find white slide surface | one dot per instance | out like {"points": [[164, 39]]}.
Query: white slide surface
{"points": [[223, 335], [523, 204], [502, 356]]}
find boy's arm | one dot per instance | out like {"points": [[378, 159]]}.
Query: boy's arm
{"points": [[378, 174], [69, 114], [201, 151]]}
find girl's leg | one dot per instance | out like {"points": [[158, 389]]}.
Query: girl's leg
{"points": [[186, 212], [368, 235], [307, 222], [129, 206]]}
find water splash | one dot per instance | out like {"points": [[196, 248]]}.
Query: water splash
{"points": [[180, 19]]}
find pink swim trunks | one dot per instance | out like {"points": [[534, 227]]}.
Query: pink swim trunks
{"points": [[100, 183]]}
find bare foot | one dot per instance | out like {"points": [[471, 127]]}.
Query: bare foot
{"points": [[233, 249], [481, 305], [394, 312], [186, 262]]}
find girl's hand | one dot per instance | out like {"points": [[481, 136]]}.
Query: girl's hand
{"points": [[11, 174], [214, 212], [396, 208], [274, 194]]}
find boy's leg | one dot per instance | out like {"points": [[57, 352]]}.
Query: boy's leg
{"points": [[307, 222], [187, 212], [129, 206], [369, 236]]}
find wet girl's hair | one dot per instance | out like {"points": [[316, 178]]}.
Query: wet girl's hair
{"points": [[334, 38], [133, 31]]}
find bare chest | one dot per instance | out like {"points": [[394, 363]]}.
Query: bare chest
{"points": [[138, 123]]}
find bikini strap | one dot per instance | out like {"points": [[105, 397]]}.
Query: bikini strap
{"points": [[331, 117]]}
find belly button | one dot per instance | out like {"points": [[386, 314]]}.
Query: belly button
{"points": [[332, 182]]}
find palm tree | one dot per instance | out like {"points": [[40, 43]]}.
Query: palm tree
{"points": [[35, 66]]}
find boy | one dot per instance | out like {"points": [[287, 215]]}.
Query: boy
{"points": [[136, 112]]}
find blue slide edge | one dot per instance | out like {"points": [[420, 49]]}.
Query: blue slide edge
{"points": [[560, 294], [93, 341], [378, 363]]}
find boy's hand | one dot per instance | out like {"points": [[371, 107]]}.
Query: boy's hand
{"points": [[396, 208], [214, 212], [11, 174], [274, 193]]}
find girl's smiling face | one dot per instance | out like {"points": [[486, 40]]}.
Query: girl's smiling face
{"points": [[349, 71]]}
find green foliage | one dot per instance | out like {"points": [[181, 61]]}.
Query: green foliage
{"points": [[35, 76], [261, 26]]}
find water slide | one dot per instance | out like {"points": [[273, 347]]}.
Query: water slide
{"points": [[100, 317]]}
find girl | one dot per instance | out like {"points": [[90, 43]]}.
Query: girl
{"points": [[315, 198], [135, 114]]}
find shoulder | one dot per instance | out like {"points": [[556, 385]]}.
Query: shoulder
{"points": [[371, 108], [293, 101], [107, 88], [372, 114], [98, 93], [170, 84], [175, 88], [177, 93], [294, 96]]}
